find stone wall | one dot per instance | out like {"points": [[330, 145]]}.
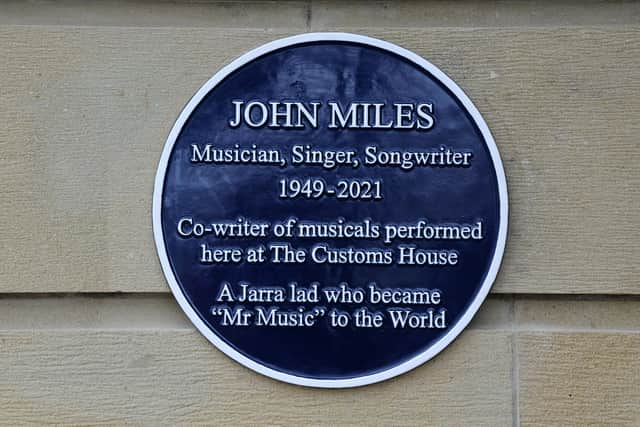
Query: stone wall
{"points": [[89, 333]]}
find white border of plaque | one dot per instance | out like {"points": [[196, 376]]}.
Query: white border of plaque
{"points": [[401, 368]]}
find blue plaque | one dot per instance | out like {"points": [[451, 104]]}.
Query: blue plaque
{"points": [[330, 210]]}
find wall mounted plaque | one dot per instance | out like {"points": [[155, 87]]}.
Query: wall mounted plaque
{"points": [[330, 210]]}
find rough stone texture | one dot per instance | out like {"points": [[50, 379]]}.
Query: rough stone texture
{"points": [[621, 314], [89, 92], [136, 359], [87, 111], [579, 378], [326, 15], [159, 13], [320, 15], [169, 377]]}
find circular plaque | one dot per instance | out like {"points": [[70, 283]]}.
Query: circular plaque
{"points": [[330, 210]]}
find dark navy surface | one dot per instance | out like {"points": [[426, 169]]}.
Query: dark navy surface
{"points": [[343, 72]]}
